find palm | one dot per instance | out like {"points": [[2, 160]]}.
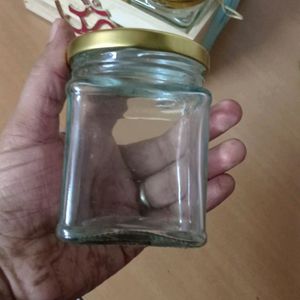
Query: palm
{"points": [[112, 184], [28, 224]]}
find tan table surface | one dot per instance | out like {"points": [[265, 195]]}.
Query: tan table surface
{"points": [[253, 251]]}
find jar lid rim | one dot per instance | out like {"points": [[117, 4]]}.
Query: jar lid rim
{"points": [[139, 38], [179, 3]]}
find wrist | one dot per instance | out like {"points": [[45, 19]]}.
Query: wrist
{"points": [[5, 289]]}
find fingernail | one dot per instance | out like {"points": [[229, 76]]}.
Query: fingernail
{"points": [[54, 29]]}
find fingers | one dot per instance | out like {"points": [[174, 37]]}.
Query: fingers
{"points": [[225, 156], [168, 186], [171, 184], [224, 116], [218, 189], [36, 116], [150, 156]]}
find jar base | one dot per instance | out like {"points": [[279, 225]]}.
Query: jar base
{"points": [[84, 235]]}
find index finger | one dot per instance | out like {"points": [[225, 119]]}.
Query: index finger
{"points": [[151, 156]]}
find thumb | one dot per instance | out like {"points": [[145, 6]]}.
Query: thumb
{"points": [[36, 118]]}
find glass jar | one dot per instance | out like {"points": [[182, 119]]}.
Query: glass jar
{"points": [[136, 140], [179, 12]]}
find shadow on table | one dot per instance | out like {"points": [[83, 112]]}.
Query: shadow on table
{"points": [[262, 19]]}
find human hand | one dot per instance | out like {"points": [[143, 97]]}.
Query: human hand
{"points": [[34, 263]]}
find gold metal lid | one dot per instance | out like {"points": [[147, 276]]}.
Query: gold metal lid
{"points": [[178, 3], [139, 38]]}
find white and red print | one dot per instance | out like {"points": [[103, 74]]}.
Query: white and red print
{"points": [[88, 8]]}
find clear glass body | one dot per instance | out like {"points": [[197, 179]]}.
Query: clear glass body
{"points": [[182, 17], [136, 150]]}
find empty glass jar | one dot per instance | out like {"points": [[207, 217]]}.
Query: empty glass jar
{"points": [[179, 12], [137, 140]]}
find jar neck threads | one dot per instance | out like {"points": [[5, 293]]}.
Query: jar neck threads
{"points": [[138, 65]]}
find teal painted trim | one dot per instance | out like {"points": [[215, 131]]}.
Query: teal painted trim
{"points": [[218, 23]]}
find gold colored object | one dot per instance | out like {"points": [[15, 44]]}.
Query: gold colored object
{"points": [[139, 38], [178, 3]]}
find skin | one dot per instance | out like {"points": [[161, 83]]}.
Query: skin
{"points": [[34, 264]]}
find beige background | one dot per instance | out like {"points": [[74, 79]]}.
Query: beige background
{"points": [[253, 252]]}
